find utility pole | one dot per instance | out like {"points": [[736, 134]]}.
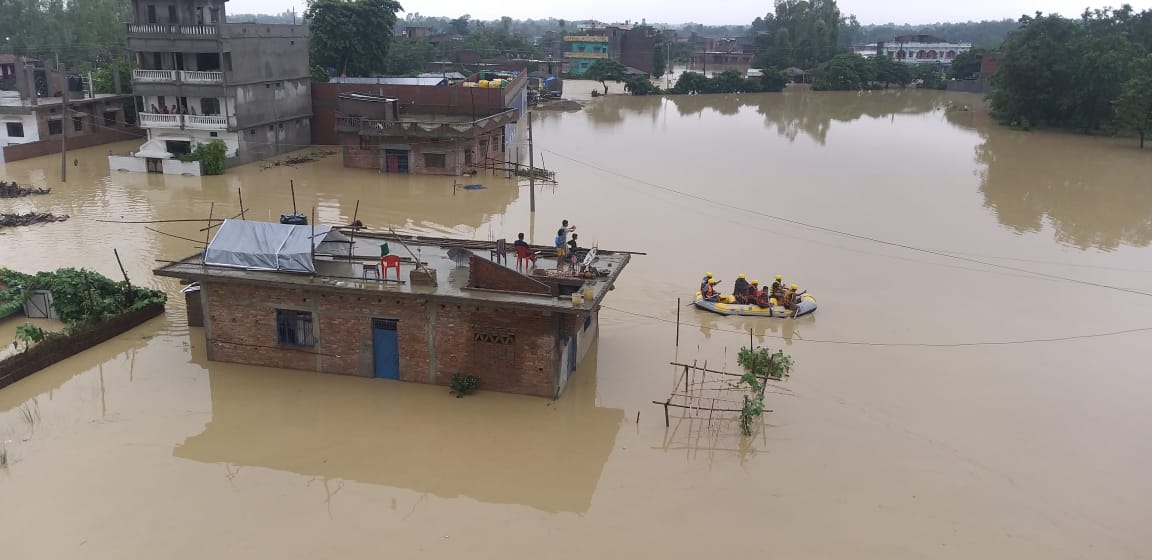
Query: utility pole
{"points": [[64, 123], [531, 167]]}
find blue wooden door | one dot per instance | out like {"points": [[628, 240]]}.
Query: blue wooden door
{"points": [[386, 348]]}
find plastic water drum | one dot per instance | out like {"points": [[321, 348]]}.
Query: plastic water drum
{"points": [[483, 83]]}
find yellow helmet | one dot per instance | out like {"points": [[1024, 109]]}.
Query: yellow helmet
{"points": [[779, 276], [708, 275], [794, 286], [754, 282], [711, 281], [741, 277]]}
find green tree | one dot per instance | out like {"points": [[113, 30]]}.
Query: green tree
{"points": [[966, 64], [1038, 69], [844, 72], [605, 69], [460, 25], [800, 33], [352, 36], [1134, 104], [887, 71], [639, 85]]}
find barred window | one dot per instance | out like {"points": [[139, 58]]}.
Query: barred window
{"points": [[294, 328]]}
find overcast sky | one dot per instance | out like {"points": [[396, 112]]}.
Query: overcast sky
{"points": [[732, 11]]}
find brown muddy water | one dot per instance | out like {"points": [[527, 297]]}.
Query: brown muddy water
{"points": [[923, 449]]}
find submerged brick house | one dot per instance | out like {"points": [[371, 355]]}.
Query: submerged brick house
{"points": [[518, 332]]}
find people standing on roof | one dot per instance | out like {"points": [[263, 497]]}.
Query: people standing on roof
{"points": [[572, 252], [560, 248], [740, 288], [567, 228]]}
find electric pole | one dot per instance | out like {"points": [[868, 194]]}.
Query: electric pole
{"points": [[64, 123], [531, 167]]}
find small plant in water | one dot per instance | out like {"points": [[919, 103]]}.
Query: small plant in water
{"points": [[30, 334], [3, 456], [758, 364], [463, 384], [31, 414]]}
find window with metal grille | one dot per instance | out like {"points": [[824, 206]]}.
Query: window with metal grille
{"points": [[109, 118], [15, 130], [55, 126], [435, 161], [78, 124], [294, 328]]}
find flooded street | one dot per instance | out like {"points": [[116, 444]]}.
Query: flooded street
{"points": [[957, 395]]}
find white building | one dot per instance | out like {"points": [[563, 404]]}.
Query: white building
{"points": [[915, 49]]}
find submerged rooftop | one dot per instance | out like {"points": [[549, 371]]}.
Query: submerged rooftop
{"points": [[464, 271]]}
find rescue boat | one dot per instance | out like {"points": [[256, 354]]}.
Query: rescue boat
{"points": [[726, 305]]}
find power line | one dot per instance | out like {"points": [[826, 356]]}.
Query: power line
{"points": [[894, 344], [845, 233]]}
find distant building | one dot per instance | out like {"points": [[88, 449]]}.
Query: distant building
{"points": [[417, 32], [634, 47], [33, 115], [422, 125], [199, 79], [720, 54], [313, 300], [915, 49]]}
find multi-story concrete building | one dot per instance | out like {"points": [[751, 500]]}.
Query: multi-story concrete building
{"points": [[634, 47], [915, 49], [199, 79]]}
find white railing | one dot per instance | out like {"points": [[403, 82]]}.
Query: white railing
{"points": [[201, 77], [205, 122], [159, 120], [154, 76], [166, 29]]}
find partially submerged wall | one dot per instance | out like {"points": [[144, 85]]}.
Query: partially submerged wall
{"points": [[48, 352]]}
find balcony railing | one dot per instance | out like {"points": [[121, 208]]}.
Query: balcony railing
{"points": [[154, 76], [201, 77], [170, 29], [159, 120], [585, 55], [205, 122]]}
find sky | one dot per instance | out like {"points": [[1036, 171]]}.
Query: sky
{"points": [[732, 11]]}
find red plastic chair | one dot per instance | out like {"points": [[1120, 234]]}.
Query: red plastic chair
{"points": [[523, 257], [390, 261]]}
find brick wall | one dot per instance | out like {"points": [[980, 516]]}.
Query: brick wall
{"points": [[489, 275], [44, 354], [511, 351], [51, 144]]}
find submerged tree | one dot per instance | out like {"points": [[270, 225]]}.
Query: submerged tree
{"points": [[605, 69], [352, 36], [1134, 104], [800, 33]]}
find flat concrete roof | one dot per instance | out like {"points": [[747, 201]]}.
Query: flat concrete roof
{"points": [[335, 271], [16, 101]]}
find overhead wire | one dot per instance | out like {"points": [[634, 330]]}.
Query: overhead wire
{"points": [[892, 344], [842, 233]]}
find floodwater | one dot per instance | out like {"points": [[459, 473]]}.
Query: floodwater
{"points": [[895, 437]]}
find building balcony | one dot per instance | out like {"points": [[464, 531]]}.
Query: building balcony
{"points": [[165, 29], [201, 77], [154, 76], [159, 120], [585, 55], [205, 122]]}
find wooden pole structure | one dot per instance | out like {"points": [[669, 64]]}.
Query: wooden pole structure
{"points": [[119, 262], [352, 236], [208, 232], [292, 185], [240, 194], [531, 167], [312, 239], [677, 322]]}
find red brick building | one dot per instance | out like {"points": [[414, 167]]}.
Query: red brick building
{"points": [[518, 332]]}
